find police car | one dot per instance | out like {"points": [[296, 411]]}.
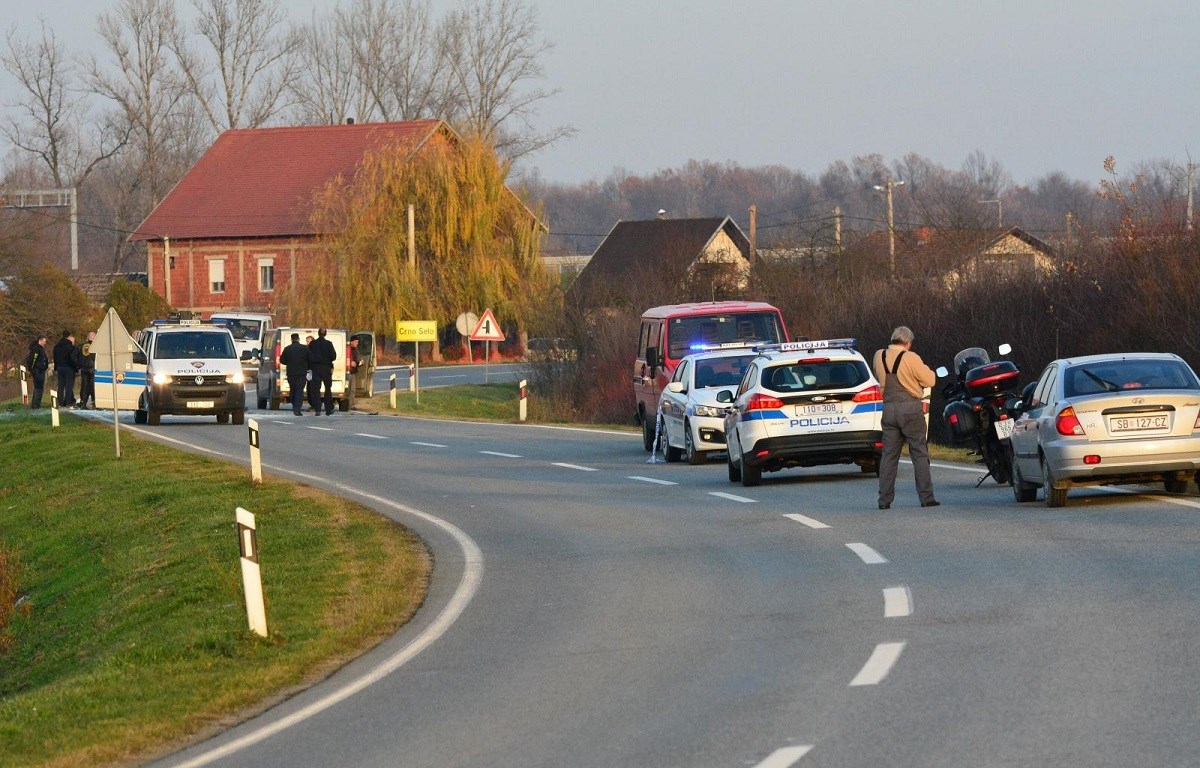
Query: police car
{"points": [[693, 420], [803, 404]]}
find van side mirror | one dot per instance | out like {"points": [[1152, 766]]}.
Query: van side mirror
{"points": [[652, 357], [139, 357]]}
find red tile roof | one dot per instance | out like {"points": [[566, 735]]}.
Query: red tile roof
{"points": [[260, 182]]}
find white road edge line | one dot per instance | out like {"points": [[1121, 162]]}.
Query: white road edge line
{"points": [[807, 521], [654, 480], [428, 445], [883, 658], [503, 455], [573, 466], [897, 601], [468, 585], [868, 555], [787, 756], [732, 497], [322, 429], [373, 437]]}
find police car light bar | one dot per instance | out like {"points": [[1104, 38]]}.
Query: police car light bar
{"points": [[808, 346], [726, 345]]}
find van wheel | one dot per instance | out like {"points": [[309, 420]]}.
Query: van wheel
{"points": [[139, 416], [153, 417], [1172, 483], [344, 404], [222, 418], [239, 417], [647, 434], [262, 402]]}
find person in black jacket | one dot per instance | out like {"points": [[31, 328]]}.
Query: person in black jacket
{"points": [[64, 369], [85, 361], [36, 362], [321, 355], [294, 358]]}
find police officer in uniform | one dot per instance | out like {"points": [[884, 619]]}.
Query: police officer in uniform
{"points": [[321, 355], [904, 377], [294, 358], [64, 369], [36, 362], [85, 361]]}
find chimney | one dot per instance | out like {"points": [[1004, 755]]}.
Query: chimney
{"points": [[662, 213], [349, 121], [923, 235]]}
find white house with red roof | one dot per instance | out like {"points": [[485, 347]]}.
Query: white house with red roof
{"points": [[236, 232]]}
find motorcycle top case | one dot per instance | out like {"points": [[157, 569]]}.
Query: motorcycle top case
{"points": [[962, 421], [992, 379]]}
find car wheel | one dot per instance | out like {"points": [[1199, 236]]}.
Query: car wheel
{"points": [[870, 467], [735, 471], [222, 418], [694, 457], [751, 475], [262, 402], [239, 417], [1173, 484], [344, 404], [1055, 497], [647, 434], [153, 417], [1022, 491]]}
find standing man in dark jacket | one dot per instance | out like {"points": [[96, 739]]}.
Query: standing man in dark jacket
{"points": [[36, 362], [85, 361], [321, 355], [294, 358], [64, 369]]}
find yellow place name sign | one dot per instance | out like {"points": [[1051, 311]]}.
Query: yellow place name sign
{"points": [[416, 330]]}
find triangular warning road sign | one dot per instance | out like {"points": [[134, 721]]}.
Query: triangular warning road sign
{"points": [[487, 329]]}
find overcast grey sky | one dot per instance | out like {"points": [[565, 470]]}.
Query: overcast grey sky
{"points": [[649, 84]]}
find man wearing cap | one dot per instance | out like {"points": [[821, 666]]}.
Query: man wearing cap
{"points": [[321, 355], [64, 369], [294, 359], [904, 377]]}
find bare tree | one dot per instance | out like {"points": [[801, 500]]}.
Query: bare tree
{"points": [[494, 54], [53, 119], [329, 88], [249, 61]]}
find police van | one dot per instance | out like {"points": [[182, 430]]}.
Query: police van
{"points": [[249, 334], [174, 367]]}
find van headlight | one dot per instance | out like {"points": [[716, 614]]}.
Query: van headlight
{"points": [[236, 378], [161, 378]]}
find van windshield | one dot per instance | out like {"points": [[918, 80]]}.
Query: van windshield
{"points": [[687, 334], [194, 344], [242, 330]]}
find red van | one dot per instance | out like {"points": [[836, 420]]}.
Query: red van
{"points": [[670, 333]]}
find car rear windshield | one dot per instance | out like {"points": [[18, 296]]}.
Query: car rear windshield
{"points": [[809, 376], [721, 371], [242, 330], [1126, 375], [194, 344], [686, 334]]}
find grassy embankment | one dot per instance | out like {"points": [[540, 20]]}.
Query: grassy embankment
{"points": [[130, 630]]}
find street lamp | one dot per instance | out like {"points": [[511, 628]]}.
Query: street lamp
{"points": [[887, 187], [999, 211]]}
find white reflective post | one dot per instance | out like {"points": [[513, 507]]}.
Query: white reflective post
{"points": [[24, 388], [255, 452], [392, 390], [256, 609], [54, 406], [412, 381], [524, 394]]}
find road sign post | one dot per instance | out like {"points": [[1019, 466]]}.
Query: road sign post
{"points": [[255, 452], [256, 609], [487, 330], [416, 331]]}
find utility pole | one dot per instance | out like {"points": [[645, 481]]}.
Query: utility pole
{"points": [[412, 240], [1190, 167], [887, 188], [1067, 241], [837, 227], [753, 233]]}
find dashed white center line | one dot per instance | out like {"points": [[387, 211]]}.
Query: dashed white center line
{"points": [[879, 665], [782, 758], [732, 497], [807, 521], [573, 466], [428, 445], [322, 429], [503, 455], [373, 437], [897, 601], [868, 555], [654, 480]]}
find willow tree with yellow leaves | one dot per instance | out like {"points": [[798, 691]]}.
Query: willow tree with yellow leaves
{"points": [[476, 241]]}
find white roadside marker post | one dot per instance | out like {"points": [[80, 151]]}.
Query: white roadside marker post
{"points": [[392, 390], [255, 452], [24, 388], [256, 609], [524, 393], [53, 408], [412, 379]]}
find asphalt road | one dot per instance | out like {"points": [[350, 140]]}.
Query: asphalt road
{"points": [[451, 375], [619, 613]]}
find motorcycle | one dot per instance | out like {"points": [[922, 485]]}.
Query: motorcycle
{"points": [[978, 408]]}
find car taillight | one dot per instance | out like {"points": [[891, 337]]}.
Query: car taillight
{"points": [[1067, 422], [761, 402], [278, 344], [872, 394]]}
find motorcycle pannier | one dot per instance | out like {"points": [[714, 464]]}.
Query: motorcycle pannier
{"points": [[962, 421], [991, 379]]}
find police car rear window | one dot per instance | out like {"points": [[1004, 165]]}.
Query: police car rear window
{"points": [[194, 344], [804, 376]]}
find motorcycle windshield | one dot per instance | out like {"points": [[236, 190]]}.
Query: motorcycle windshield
{"points": [[972, 357]]}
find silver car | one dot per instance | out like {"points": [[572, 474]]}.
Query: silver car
{"points": [[1107, 419]]}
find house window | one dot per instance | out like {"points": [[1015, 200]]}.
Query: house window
{"points": [[172, 260], [266, 274], [216, 275]]}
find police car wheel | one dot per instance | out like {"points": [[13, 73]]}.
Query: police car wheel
{"points": [[735, 472], [751, 475], [669, 452], [694, 457]]}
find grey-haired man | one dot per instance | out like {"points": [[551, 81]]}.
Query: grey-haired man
{"points": [[904, 377]]}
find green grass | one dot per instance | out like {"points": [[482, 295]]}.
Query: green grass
{"points": [[471, 402], [132, 632]]}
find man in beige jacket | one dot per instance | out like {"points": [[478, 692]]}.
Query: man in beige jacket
{"points": [[904, 377]]}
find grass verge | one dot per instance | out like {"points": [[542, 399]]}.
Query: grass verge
{"points": [[131, 631]]}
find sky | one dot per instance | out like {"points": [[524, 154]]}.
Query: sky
{"points": [[1041, 86]]}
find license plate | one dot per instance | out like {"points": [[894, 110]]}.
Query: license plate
{"points": [[200, 404], [1004, 428], [819, 409], [1139, 423]]}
